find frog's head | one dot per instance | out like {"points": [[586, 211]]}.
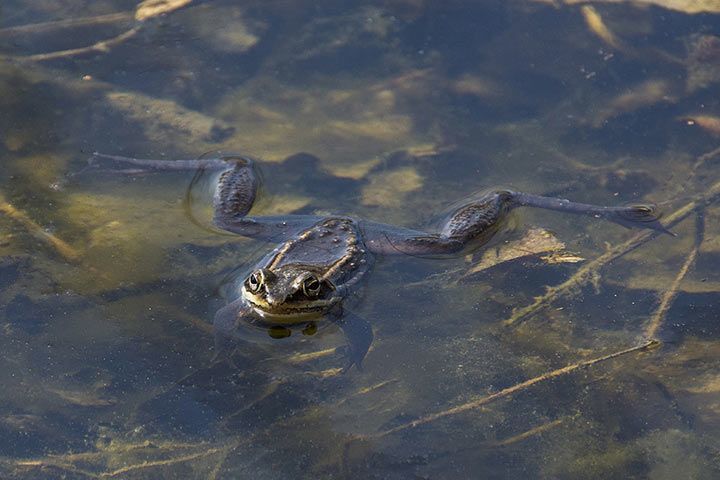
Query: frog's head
{"points": [[290, 293]]}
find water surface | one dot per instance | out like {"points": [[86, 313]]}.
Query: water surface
{"points": [[391, 111]]}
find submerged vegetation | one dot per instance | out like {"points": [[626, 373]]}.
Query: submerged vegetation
{"points": [[567, 347]]}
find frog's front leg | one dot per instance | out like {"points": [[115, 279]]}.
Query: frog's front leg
{"points": [[226, 323], [236, 187], [358, 336], [475, 222], [233, 325]]}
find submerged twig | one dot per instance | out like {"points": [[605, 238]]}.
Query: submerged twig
{"points": [[60, 246], [588, 271], [192, 320], [528, 434], [153, 8], [510, 390], [145, 10], [67, 23], [46, 465], [160, 463], [270, 389], [598, 27], [67, 462], [670, 294], [701, 161], [366, 390], [221, 461], [307, 357], [101, 46], [596, 24]]}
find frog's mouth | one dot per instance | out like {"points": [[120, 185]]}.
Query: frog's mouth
{"points": [[290, 314]]}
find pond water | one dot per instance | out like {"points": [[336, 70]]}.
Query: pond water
{"points": [[569, 347]]}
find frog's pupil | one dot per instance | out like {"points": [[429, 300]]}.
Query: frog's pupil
{"points": [[312, 285], [254, 282]]}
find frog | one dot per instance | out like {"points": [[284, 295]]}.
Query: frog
{"points": [[319, 261]]}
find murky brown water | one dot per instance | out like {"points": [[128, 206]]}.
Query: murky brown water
{"points": [[530, 359]]}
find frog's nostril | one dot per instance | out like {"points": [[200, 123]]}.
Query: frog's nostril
{"points": [[274, 299]]}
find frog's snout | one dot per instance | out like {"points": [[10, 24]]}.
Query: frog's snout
{"points": [[274, 299]]}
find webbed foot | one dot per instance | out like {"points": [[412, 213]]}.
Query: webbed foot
{"points": [[643, 215]]}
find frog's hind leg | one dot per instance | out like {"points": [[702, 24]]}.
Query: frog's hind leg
{"points": [[469, 226], [473, 223], [236, 187], [234, 196], [642, 215], [482, 217], [104, 163]]}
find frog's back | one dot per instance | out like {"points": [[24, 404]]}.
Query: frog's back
{"points": [[332, 247]]}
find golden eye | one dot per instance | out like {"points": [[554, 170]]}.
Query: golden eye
{"points": [[254, 281], [311, 286]]}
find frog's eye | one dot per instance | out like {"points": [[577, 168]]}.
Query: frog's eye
{"points": [[311, 286], [254, 281]]}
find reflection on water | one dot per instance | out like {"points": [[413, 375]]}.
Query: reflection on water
{"points": [[531, 357]]}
